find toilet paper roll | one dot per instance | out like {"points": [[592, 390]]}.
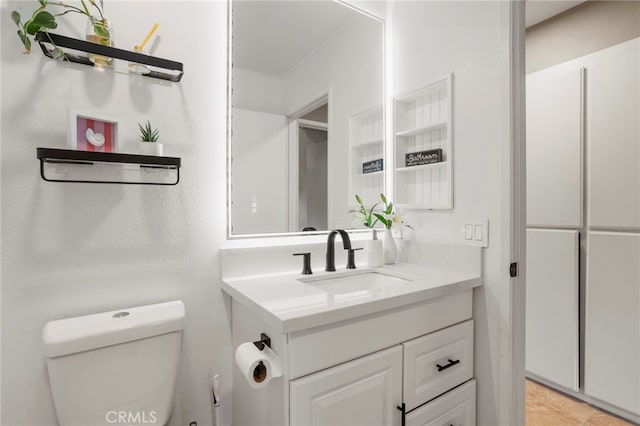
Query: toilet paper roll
{"points": [[258, 366]]}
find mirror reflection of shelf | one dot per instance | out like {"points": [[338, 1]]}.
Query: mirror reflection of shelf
{"points": [[366, 139], [368, 144], [372, 174], [423, 122]]}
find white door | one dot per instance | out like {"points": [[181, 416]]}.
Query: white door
{"points": [[614, 139], [612, 340], [554, 149], [552, 322], [365, 392]]}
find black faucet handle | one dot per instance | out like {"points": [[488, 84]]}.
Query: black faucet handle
{"points": [[306, 263], [351, 258]]}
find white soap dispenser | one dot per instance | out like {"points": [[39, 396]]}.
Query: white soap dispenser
{"points": [[374, 251]]}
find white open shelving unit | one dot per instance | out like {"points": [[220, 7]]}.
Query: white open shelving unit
{"points": [[423, 121], [366, 143]]}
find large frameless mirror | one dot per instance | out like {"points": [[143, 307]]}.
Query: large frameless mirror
{"points": [[306, 115]]}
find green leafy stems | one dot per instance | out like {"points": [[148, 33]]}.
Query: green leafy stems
{"points": [[385, 217], [365, 216], [388, 216], [147, 134], [43, 20]]}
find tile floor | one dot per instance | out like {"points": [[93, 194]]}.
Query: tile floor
{"points": [[546, 407]]}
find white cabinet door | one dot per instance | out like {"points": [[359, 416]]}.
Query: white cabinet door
{"points": [[552, 318], [457, 408], [554, 149], [365, 391], [437, 362], [614, 139], [612, 341]]}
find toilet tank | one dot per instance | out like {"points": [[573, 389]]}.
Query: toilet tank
{"points": [[115, 368]]}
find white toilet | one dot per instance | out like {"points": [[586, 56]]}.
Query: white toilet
{"points": [[115, 368]]}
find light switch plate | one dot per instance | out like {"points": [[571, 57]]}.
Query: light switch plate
{"points": [[478, 232], [468, 232], [475, 232]]}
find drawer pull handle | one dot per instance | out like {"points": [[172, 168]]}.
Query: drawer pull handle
{"points": [[450, 364]]}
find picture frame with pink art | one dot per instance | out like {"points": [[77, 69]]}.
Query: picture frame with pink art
{"points": [[93, 132]]}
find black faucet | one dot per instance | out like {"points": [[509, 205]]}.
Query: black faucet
{"points": [[331, 255]]}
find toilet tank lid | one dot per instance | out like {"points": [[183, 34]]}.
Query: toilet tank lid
{"points": [[72, 335]]}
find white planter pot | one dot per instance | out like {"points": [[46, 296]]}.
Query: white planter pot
{"points": [[151, 148]]}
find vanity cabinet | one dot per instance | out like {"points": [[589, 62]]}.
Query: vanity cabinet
{"points": [[369, 390], [423, 154], [366, 391], [360, 370]]}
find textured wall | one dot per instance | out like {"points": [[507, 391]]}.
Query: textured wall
{"points": [[592, 26], [74, 249]]}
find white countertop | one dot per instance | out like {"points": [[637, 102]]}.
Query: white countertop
{"points": [[290, 305]]}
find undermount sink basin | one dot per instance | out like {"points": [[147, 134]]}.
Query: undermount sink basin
{"points": [[358, 280]]}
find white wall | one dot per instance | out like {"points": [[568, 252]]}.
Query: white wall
{"points": [[431, 39], [349, 68], [74, 249], [257, 91], [259, 172]]}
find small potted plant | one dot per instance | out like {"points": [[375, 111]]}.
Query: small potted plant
{"points": [[149, 140], [388, 216]]}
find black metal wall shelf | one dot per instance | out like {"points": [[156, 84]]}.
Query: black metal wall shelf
{"points": [[53, 156], [111, 52]]}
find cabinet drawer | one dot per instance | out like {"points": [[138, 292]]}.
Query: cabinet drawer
{"points": [[437, 362], [457, 408], [322, 347]]}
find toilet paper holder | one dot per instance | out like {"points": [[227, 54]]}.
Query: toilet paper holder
{"points": [[264, 341]]}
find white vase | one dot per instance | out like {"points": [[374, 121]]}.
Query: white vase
{"points": [[390, 252], [374, 252]]}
